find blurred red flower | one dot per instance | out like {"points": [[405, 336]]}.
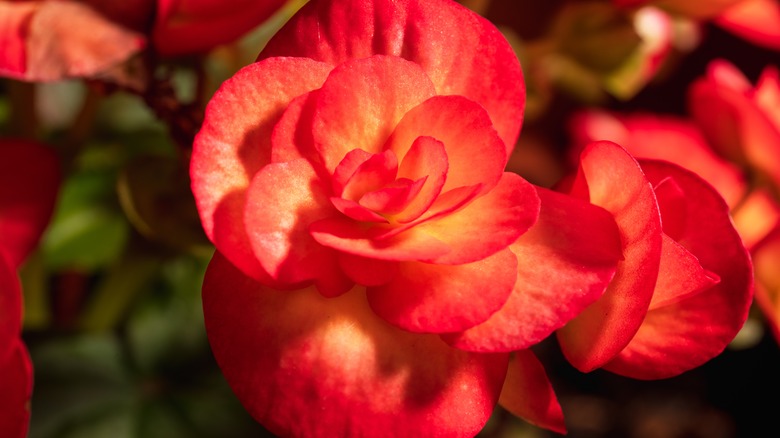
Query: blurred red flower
{"points": [[29, 182]]}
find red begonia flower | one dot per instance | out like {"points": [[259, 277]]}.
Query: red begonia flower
{"points": [[15, 367], [354, 177], [192, 26], [703, 292], [16, 386], [660, 137], [31, 174], [51, 40], [740, 121], [690, 282]]}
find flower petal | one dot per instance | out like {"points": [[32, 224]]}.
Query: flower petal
{"points": [[234, 143], [31, 172], [427, 158], [561, 270], [757, 21], [16, 384], [361, 102], [687, 332], [283, 199], [307, 366], [463, 53], [602, 330], [426, 298], [488, 223], [475, 153], [529, 394], [14, 20]]}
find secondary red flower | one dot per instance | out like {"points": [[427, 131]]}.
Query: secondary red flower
{"points": [[29, 180], [375, 265], [48, 40], [684, 288]]}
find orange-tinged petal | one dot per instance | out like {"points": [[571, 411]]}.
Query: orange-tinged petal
{"points": [[757, 216], [561, 270], [602, 330], [31, 180], [376, 172], [347, 236], [307, 366], [427, 158], [488, 223], [427, 298], [475, 153], [234, 142], [360, 103], [529, 394], [463, 53], [16, 384], [282, 200], [291, 136], [684, 329]]}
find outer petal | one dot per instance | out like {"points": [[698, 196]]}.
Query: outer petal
{"points": [[14, 23], [686, 333], [183, 27], [426, 298], [234, 143], [282, 200], [306, 366], [529, 394], [489, 223], [362, 101], [757, 21], [475, 152], [561, 270], [463, 53], [16, 381], [31, 175], [602, 330]]}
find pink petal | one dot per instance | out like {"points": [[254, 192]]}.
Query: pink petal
{"points": [[31, 179], [529, 394], [234, 143], [757, 21], [283, 199], [85, 44], [307, 366], [561, 270], [368, 272], [475, 153], [602, 330], [362, 101], [183, 27], [291, 137], [427, 158], [684, 333], [427, 298], [487, 224], [16, 384], [680, 276], [395, 197], [463, 53], [356, 211]]}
